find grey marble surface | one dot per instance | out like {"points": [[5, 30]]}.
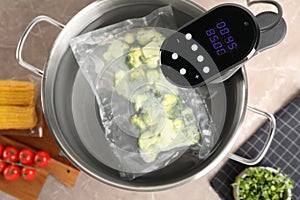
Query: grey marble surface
{"points": [[273, 81]]}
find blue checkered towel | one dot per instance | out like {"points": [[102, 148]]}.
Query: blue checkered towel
{"points": [[283, 153]]}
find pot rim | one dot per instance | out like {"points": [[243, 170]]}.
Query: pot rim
{"points": [[51, 120]]}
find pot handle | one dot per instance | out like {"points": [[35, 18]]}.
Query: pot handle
{"points": [[23, 38], [263, 152]]}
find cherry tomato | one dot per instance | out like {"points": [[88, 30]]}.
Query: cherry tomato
{"points": [[28, 173], [26, 156], [1, 149], [2, 165], [11, 154], [12, 172], [41, 159]]}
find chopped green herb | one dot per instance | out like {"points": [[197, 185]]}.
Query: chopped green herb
{"points": [[261, 183]]}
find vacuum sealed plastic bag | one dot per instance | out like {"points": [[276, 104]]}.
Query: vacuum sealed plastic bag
{"points": [[114, 38], [148, 122]]}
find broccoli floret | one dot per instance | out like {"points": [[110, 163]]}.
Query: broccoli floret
{"points": [[152, 75], [150, 155], [193, 135], [147, 135], [169, 100], [138, 122], [137, 73], [139, 100], [178, 124], [151, 50], [151, 53], [167, 136], [133, 58], [115, 50], [188, 116], [151, 63], [173, 135], [119, 76], [146, 140], [195, 139], [157, 94], [147, 116], [145, 36], [129, 38], [151, 116], [173, 112], [121, 88], [159, 37], [171, 106]]}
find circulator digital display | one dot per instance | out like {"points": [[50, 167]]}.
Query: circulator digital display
{"points": [[221, 38]]}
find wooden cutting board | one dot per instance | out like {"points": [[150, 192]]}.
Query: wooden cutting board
{"points": [[63, 169], [22, 189]]}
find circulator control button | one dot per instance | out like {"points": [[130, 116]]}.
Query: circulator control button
{"points": [[194, 47], [174, 56], [182, 71], [200, 58], [188, 36], [206, 69]]}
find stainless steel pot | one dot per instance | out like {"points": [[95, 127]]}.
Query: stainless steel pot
{"points": [[61, 73]]}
